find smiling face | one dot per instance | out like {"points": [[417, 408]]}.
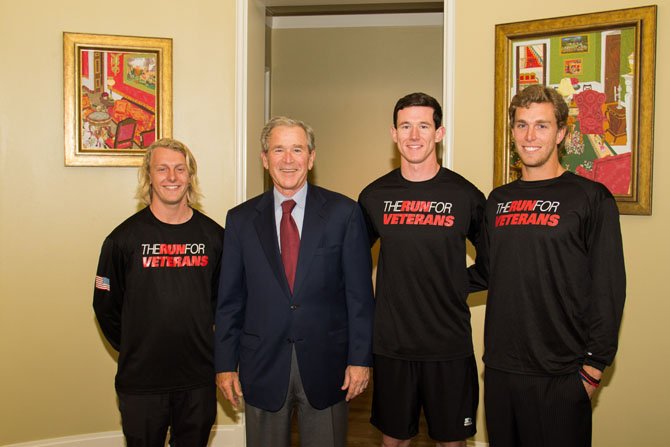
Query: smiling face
{"points": [[288, 159], [536, 139], [169, 178], [416, 136]]}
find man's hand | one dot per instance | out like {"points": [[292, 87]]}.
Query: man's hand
{"points": [[590, 389], [229, 384], [356, 380], [596, 374]]}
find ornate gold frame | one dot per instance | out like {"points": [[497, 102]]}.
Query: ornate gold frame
{"points": [[75, 154], [643, 19]]}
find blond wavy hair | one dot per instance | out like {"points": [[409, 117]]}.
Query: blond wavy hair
{"points": [[144, 192]]}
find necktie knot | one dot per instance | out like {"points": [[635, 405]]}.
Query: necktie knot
{"points": [[287, 206]]}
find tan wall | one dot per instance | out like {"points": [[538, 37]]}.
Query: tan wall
{"points": [[632, 408], [344, 82], [56, 377]]}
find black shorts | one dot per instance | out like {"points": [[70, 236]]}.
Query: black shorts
{"points": [[448, 392], [536, 411]]}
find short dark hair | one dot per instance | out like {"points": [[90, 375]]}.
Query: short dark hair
{"points": [[418, 99], [538, 94]]}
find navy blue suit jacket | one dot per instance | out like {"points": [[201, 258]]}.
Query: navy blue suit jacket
{"points": [[328, 318]]}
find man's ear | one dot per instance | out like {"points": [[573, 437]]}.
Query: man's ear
{"points": [[394, 134], [561, 134], [439, 134], [264, 159]]}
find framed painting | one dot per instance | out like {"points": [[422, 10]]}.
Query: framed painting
{"points": [[603, 65], [117, 97], [575, 44]]}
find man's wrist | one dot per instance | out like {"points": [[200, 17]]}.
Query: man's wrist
{"points": [[590, 375], [594, 372]]}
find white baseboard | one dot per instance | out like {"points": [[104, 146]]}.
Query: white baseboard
{"points": [[222, 436]]}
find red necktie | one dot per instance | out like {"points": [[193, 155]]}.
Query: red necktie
{"points": [[290, 241]]}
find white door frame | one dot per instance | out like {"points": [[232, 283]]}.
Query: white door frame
{"points": [[241, 90]]}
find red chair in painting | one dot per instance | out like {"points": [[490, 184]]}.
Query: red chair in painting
{"points": [[124, 135], [613, 171], [123, 109], [148, 137], [591, 117]]}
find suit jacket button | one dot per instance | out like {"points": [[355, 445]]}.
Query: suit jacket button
{"points": [[294, 306]]}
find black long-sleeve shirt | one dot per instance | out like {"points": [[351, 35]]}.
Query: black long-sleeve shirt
{"points": [[421, 310], [553, 255], [154, 299]]}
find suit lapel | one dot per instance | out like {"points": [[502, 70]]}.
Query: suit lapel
{"points": [[267, 235], [313, 226]]}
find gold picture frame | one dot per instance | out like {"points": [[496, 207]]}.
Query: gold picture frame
{"points": [[616, 51], [117, 97]]}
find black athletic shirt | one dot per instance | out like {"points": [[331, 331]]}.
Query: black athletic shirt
{"points": [[421, 310], [557, 278], [154, 298]]}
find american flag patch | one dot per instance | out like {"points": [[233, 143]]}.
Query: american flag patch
{"points": [[102, 283]]}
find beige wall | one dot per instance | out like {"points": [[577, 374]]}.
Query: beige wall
{"points": [[632, 408], [56, 376], [344, 82]]}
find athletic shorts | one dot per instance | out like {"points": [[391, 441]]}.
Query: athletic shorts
{"points": [[536, 411], [448, 392]]}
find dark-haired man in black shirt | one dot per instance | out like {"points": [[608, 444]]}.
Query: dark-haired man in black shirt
{"points": [[423, 355]]}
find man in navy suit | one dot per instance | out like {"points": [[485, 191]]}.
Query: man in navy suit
{"points": [[298, 328]]}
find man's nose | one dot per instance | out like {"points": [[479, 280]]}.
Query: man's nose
{"points": [[530, 133]]}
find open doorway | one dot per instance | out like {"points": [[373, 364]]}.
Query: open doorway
{"points": [[342, 73], [342, 70], [340, 66]]}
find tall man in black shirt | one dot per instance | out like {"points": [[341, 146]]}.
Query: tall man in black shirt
{"points": [[553, 256], [154, 299], [423, 355]]}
